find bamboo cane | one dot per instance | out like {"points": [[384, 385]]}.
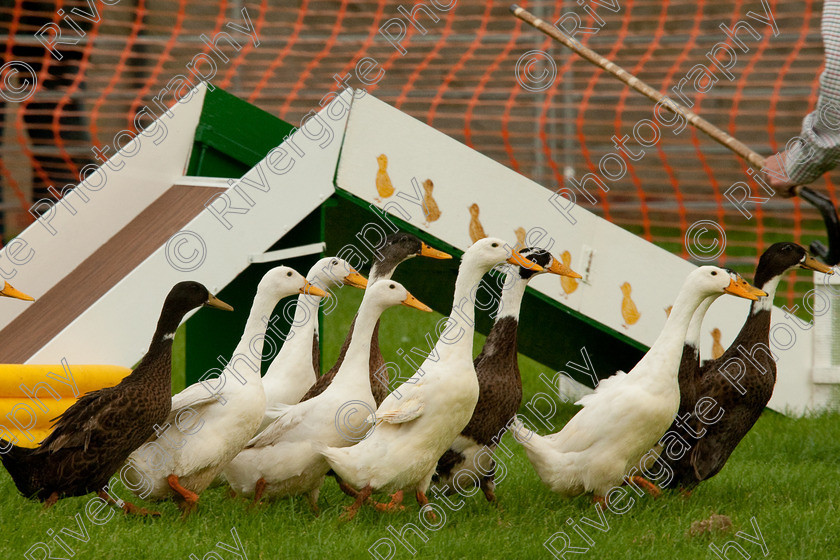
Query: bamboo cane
{"points": [[755, 159]]}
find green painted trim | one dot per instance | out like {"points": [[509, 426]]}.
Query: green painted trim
{"points": [[236, 129]]}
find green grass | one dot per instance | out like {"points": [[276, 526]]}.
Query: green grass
{"points": [[784, 474]]}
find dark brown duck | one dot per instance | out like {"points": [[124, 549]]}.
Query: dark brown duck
{"points": [[499, 387], [93, 438], [711, 445]]}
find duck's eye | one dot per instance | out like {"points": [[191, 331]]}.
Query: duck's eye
{"points": [[494, 245], [289, 274], [334, 263], [393, 287], [714, 273]]}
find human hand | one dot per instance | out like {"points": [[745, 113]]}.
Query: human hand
{"points": [[777, 177]]}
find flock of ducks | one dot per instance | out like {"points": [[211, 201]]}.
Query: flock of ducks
{"points": [[284, 433]]}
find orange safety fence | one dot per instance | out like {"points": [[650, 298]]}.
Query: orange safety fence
{"points": [[458, 72]]}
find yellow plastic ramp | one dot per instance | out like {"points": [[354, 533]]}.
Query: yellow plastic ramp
{"points": [[33, 395]]}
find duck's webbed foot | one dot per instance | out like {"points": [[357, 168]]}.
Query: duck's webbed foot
{"points": [[361, 498], [394, 505]]}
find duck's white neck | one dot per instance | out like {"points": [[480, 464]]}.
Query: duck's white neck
{"points": [[356, 364], [692, 337], [376, 273], [511, 301], [247, 357], [297, 346], [457, 338], [664, 356], [766, 303]]}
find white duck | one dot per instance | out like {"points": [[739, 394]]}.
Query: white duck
{"points": [[294, 370], [628, 412], [211, 421], [418, 421], [281, 461]]}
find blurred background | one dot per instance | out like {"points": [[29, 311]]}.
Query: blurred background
{"points": [[459, 77]]}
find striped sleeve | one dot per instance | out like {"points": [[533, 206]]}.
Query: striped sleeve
{"points": [[819, 148]]}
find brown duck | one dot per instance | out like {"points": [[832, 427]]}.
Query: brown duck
{"points": [[398, 248], [711, 445], [93, 438], [499, 386]]}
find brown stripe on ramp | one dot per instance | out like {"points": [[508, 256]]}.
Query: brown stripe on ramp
{"points": [[97, 274]]}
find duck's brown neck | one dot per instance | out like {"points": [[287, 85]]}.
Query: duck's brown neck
{"points": [[500, 348]]}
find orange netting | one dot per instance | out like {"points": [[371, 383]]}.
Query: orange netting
{"points": [[458, 76]]}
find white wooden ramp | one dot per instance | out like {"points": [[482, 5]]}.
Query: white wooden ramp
{"points": [[241, 220], [607, 255]]}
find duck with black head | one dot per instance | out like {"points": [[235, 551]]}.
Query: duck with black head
{"points": [[92, 438], [740, 411], [469, 458]]}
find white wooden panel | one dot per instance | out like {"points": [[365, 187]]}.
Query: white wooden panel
{"points": [[507, 201], [117, 329], [142, 179]]}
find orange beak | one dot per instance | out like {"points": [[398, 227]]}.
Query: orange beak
{"points": [[811, 263], [742, 288], [312, 290], [11, 292], [213, 301], [561, 269], [517, 259], [426, 251], [411, 301], [356, 280]]}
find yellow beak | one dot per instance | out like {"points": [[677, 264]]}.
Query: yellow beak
{"points": [[559, 268], [742, 288], [412, 301], [356, 280], [9, 291], [213, 301], [517, 259], [313, 290], [426, 251], [810, 263]]}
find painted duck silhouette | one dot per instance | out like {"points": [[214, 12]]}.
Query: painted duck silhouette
{"points": [[383, 182]]}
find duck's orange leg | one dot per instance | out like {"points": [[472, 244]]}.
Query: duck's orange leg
{"points": [[259, 488], [647, 485], [190, 499], [361, 497], [127, 507], [423, 500], [346, 488], [394, 504]]}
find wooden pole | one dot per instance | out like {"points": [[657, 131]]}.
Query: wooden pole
{"points": [[755, 159]]}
